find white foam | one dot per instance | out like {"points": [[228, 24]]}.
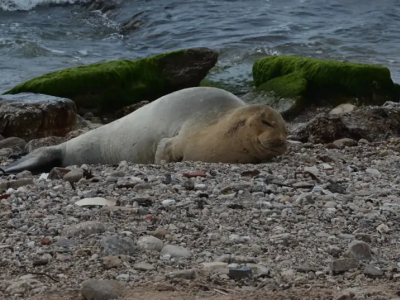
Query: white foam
{"points": [[13, 5]]}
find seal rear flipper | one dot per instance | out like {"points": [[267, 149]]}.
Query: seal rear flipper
{"points": [[41, 160], [168, 151]]}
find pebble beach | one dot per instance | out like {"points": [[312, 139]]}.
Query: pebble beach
{"points": [[319, 220]]}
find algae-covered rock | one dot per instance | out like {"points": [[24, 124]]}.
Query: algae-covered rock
{"points": [[114, 84], [310, 80]]}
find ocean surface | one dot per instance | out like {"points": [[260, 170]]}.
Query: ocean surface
{"points": [[40, 36]]}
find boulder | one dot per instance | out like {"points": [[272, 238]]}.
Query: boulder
{"points": [[30, 116], [111, 85], [372, 123], [303, 81], [15, 143], [44, 142]]}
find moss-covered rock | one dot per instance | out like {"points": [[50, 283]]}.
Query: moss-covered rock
{"points": [[313, 80], [115, 84]]}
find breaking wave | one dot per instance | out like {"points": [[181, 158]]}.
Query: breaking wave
{"points": [[15, 5]]}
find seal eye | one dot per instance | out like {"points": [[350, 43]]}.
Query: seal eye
{"points": [[266, 123]]}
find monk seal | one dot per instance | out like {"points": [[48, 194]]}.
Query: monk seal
{"points": [[193, 124]]}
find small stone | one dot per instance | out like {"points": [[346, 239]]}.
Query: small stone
{"points": [[259, 270], [374, 172], [373, 272], [239, 273], [342, 109], [365, 237], [15, 184], [344, 264], [175, 251], [122, 277], [143, 266], [194, 174], [63, 257], [313, 170], [168, 202], [84, 229], [45, 241], [383, 228], [212, 266], [150, 243], [327, 166], [115, 245], [360, 250], [111, 261], [346, 236], [159, 233], [184, 274], [345, 142], [66, 243], [24, 174], [102, 289], [74, 175]]}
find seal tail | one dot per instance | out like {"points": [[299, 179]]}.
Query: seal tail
{"points": [[41, 160]]}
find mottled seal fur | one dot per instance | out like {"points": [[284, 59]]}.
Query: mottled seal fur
{"points": [[193, 124]]}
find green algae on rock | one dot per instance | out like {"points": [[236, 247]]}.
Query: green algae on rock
{"points": [[313, 80], [118, 83]]}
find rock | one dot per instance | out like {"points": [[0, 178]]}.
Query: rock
{"points": [[372, 292], [150, 243], [31, 116], [323, 128], [175, 251], [111, 261], [84, 229], [373, 172], [44, 142], [74, 175], [66, 243], [239, 273], [342, 109], [370, 123], [97, 201], [15, 143], [24, 174], [185, 274], [209, 267], [23, 285], [360, 250], [373, 272], [344, 264], [118, 83], [15, 184], [383, 228], [102, 289], [310, 80], [115, 245], [345, 142], [259, 270], [143, 267]]}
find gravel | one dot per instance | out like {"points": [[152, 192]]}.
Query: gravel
{"points": [[316, 217]]}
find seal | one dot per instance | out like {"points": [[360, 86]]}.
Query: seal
{"points": [[193, 124]]}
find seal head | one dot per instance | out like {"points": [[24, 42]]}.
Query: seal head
{"points": [[262, 131]]}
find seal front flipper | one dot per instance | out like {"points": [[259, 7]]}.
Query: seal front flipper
{"points": [[168, 151], [38, 161]]}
